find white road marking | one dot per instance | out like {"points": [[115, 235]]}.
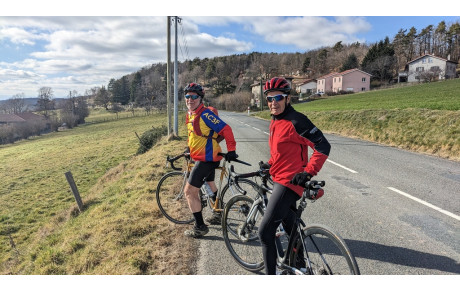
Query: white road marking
{"points": [[339, 165], [425, 203]]}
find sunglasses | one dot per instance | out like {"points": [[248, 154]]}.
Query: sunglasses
{"points": [[192, 96], [278, 98]]}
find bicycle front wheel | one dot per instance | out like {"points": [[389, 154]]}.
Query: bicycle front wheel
{"points": [[325, 253], [240, 227], [171, 198], [230, 191]]}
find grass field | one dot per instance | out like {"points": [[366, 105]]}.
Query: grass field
{"points": [[423, 118], [40, 229]]}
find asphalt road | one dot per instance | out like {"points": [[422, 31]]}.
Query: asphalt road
{"points": [[398, 211]]}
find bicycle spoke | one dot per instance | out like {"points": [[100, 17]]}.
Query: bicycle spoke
{"points": [[241, 234], [171, 199], [326, 254]]}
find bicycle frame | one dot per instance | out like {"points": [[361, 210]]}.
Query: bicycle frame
{"points": [[216, 206], [261, 201]]}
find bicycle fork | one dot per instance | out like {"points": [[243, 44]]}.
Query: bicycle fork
{"points": [[248, 225]]}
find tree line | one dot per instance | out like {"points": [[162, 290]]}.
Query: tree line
{"points": [[70, 111], [236, 73]]}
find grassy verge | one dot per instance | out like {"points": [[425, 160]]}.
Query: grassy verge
{"points": [[423, 118], [120, 231]]}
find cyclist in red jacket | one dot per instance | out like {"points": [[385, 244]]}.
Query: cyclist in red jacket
{"points": [[291, 133]]}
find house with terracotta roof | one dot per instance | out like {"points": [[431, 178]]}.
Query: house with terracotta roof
{"points": [[20, 118], [429, 67], [324, 83], [353, 80]]}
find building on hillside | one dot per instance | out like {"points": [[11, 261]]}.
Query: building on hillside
{"points": [[20, 118], [255, 89], [324, 83], [307, 87], [428, 68], [353, 80]]}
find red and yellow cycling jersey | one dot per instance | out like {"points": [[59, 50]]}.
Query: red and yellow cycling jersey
{"points": [[202, 139]]}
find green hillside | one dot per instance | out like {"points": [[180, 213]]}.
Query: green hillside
{"points": [[121, 231], [422, 117]]}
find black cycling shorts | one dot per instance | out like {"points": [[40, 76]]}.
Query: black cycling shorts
{"points": [[202, 171]]}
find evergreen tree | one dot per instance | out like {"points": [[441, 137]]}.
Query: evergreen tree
{"points": [[350, 63], [306, 64]]}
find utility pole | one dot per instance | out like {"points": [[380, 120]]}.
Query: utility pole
{"points": [[176, 80], [261, 95], [168, 75]]}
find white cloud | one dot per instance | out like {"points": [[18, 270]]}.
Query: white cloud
{"points": [[82, 52], [18, 74], [309, 32]]}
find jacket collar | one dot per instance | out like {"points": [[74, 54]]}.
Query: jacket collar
{"points": [[197, 109], [288, 109]]}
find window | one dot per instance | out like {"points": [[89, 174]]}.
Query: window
{"points": [[363, 80], [419, 69], [434, 69], [363, 89]]}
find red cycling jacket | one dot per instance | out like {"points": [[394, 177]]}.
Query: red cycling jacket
{"points": [[291, 133]]}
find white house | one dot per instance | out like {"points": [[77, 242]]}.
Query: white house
{"points": [[430, 67], [307, 87]]}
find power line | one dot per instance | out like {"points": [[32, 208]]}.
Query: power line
{"points": [[184, 40]]}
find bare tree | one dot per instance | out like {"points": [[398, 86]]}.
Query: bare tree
{"points": [[102, 97], [45, 102], [435, 73]]}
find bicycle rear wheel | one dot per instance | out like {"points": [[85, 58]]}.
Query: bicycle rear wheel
{"points": [[230, 191], [171, 198], [240, 227], [326, 253]]}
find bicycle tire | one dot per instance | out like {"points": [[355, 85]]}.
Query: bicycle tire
{"points": [[245, 248], [328, 255], [171, 198], [249, 186]]}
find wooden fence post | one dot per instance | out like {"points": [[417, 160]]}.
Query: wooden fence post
{"points": [[69, 177]]}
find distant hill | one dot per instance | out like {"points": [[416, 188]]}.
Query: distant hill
{"points": [[30, 103]]}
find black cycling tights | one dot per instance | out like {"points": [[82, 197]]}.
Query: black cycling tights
{"points": [[280, 208]]}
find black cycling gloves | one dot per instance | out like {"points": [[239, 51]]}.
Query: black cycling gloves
{"points": [[231, 156], [301, 178]]}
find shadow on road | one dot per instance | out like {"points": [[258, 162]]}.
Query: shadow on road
{"points": [[402, 256]]}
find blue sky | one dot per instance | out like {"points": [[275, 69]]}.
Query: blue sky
{"points": [[66, 51]]}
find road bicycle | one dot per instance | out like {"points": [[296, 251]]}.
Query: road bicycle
{"points": [[170, 194], [309, 250]]}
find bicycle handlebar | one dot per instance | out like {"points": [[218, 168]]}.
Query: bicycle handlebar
{"points": [[313, 190], [172, 160], [235, 160], [187, 156]]}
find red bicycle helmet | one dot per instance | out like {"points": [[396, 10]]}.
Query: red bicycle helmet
{"points": [[194, 87], [277, 84]]}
